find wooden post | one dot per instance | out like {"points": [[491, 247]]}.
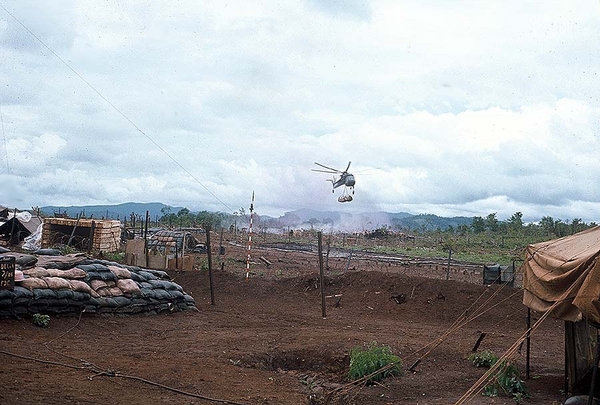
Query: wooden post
{"points": [[12, 229], [73, 232], [321, 281], [594, 373], [221, 250], [349, 258], [528, 339], [210, 274], [449, 258], [91, 238]]}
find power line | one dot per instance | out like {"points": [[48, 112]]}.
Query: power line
{"points": [[114, 108], [4, 137]]}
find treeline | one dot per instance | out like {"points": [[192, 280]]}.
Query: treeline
{"points": [[514, 225], [547, 226]]}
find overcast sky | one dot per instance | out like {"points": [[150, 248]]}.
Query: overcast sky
{"points": [[444, 107]]}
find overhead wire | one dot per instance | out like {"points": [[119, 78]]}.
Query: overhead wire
{"points": [[114, 107], [4, 138]]}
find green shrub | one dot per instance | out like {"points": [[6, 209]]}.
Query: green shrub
{"points": [[483, 359], [365, 361], [507, 379], [41, 320]]}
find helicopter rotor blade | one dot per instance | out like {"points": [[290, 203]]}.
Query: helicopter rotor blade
{"points": [[325, 171], [328, 168], [345, 171]]}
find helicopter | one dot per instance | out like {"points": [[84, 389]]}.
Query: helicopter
{"points": [[346, 179]]}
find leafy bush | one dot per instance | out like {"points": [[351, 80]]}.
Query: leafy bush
{"points": [[507, 379], [365, 361], [483, 359], [41, 320]]}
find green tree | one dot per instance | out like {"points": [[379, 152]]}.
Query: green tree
{"points": [[478, 224], [548, 225], [515, 222], [491, 222]]}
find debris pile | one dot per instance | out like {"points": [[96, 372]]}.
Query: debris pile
{"points": [[70, 284]]}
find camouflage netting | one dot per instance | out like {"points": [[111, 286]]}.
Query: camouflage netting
{"points": [[67, 285]]}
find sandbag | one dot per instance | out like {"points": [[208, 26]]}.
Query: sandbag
{"points": [[57, 283], [128, 286], [26, 260], [43, 293], [98, 284], [147, 276], [73, 273], [47, 252], [109, 292], [165, 285], [22, 292], [36, 272], [136, 277], [82, 286], [120, 272], [6, 294], [68, 294], [33, 283]]}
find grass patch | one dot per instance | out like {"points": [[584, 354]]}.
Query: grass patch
{"points": [[367, 360]]}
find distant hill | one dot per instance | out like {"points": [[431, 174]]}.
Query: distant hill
{"points": [[370, 220], [301, 218], [118, 211]]}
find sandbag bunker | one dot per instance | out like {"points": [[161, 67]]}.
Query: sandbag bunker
{"points": [[67, 285]]}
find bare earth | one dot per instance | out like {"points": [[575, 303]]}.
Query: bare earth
{"points": [[265, 341]]}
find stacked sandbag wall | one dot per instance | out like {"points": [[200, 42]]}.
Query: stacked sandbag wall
{"points": [[92, 286]]}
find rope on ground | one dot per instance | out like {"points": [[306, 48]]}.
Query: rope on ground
{"points": [[463, 320], [98, 371], [512, 350]]}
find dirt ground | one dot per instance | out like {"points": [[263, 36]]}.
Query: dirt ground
{"points": [[264, 341]]}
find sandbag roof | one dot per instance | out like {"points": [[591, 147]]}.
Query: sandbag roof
{"points": [[563, 275]]}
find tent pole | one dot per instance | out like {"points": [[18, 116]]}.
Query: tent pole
{"points": [[528, 343], [594, 372]]}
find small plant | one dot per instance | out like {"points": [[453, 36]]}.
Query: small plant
{"points": [[366, 361], [483, 359], [118, 257], [509, 381], [41, 320], [506, 380]]}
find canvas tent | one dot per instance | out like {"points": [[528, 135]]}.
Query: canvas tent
{"points": [[563, 276], [18, 227]]}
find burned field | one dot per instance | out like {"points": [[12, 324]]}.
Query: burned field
{"points": [[265, 340]]}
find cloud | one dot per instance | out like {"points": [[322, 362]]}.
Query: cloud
{"points": [[443, 108]]}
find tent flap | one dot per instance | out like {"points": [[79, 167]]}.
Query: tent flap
{"points": [[563, 275]]}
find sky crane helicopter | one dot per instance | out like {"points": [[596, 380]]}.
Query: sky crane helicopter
{"points": [[345, 179]]}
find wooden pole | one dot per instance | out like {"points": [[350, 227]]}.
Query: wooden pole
{"points": [[594, 373], [91, 238], [210, 273], [12, 229], [528, 347], [321, 281], [449, 258], [73, 232]]}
